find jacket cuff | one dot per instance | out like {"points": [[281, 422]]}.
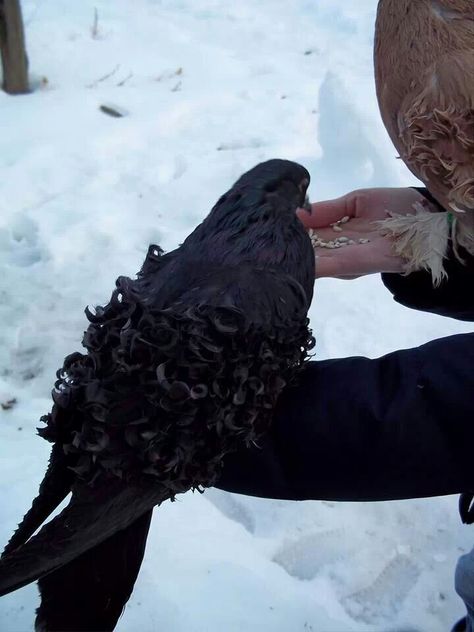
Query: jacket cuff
{"points": [[426, 194]]}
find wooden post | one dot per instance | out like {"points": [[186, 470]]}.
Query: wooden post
{"points": [[12, 48]]}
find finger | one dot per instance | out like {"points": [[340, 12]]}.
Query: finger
{"points": [[325, 213], [331, 267], [357, 260], [350, 277]]}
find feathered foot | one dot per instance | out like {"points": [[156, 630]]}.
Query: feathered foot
{"points": [[421, 239]]}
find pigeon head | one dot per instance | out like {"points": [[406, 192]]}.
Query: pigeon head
{"points": [[278, 183], [255, 221], [263, 199]]}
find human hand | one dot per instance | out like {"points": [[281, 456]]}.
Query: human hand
{"points": [[370, 252]]}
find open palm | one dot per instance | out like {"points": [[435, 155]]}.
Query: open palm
{"points": [[371, 252]]}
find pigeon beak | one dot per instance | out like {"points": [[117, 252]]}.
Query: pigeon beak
{"points": [[306, 206], [303, 186]]}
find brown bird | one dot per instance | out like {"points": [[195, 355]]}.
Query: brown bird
{"points": [[424, 73]]}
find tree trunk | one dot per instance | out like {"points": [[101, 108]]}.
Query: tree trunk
{"points": [[12, 48]]}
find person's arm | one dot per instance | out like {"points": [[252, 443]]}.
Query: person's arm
{"points": [[454, 297], [359, 429]]}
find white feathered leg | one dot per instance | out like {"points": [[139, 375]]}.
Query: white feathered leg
{"points": [[462, 232], [421, 239]]}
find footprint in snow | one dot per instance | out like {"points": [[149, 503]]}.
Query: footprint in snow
{"points": [[303, 558], [180, 167], [346, 146], [231, 508], [384, 598], [19, 242], [171, 169]]}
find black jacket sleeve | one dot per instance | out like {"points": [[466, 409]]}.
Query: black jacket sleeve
{"points": [[357, 429], [454, 297], [401, 426]]}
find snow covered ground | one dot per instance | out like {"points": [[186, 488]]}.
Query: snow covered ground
{"points": [[211, 88]]}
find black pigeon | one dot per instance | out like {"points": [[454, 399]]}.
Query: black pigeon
{"points": [[183, 365]]}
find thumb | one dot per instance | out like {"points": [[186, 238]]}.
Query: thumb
{"points": [[338, 267]]}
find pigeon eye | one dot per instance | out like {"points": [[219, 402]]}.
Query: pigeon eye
{"points": [[304, 185]]}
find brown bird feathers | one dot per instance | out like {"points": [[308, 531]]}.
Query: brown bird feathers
{"points": [[424, 72]]}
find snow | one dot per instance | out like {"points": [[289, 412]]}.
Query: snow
{"points": [[209, 88]]}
